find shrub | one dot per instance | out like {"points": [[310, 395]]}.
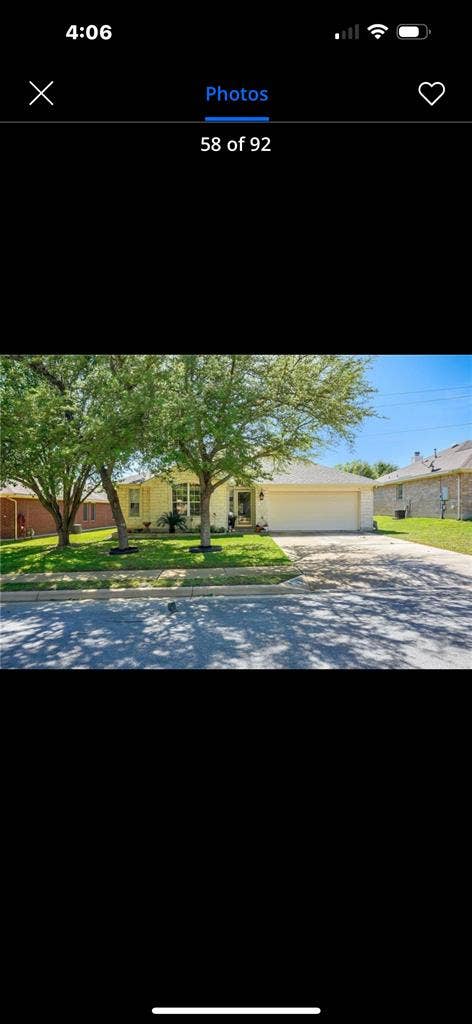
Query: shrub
{"points": [[173, 520]]}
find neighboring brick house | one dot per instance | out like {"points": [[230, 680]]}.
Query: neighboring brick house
{"points": [[436, 487], [21, 511]]}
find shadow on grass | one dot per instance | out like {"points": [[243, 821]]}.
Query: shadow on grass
{"points": [[165, 553]]}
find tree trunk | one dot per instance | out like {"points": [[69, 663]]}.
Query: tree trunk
{"points": [[205, 535], [63, 540], [112, 495], [62, 527], [70, 507]]}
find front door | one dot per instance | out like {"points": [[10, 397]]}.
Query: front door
{"points": [[243, 516]]}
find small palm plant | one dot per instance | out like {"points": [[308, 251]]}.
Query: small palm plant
{"points": [[173, 520]]}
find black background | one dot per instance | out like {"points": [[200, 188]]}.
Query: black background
{"points": [[168, 845]]}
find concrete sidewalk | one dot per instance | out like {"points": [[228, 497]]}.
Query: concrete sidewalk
{"points": [[144, 574], [144, 593]]}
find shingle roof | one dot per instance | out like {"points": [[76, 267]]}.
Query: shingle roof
{"points": [[299, 471], [20, 491], [304, 471], [458, 456], [137, 478]]}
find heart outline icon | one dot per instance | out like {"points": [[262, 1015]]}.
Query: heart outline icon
{"points": [[431, 85]]}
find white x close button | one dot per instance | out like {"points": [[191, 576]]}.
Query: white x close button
{"points": [[41, 93]]}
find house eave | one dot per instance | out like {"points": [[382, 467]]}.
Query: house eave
{"points": [[421, 476]]}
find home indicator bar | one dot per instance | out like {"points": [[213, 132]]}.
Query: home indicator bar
{"points": [[174, 1011]]}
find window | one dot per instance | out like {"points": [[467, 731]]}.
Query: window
{"points": [[231, 500], [445, 493], [88, 512], [399, 492], [194, 499], [85, 513], [180, 499], [92, 513], [186, 499], [134, 501]]}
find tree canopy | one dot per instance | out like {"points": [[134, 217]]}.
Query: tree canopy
{"points": [[44, 443], [223, 416], [69, 422], [361, 468]]}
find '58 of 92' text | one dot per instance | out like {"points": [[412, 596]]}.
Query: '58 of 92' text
{"points": [[254, 144]]}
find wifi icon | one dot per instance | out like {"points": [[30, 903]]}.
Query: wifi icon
{"points": [[377, 30]]}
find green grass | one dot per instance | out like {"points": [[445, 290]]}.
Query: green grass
{"points": [[451, 534], [90, 551], [136, 582]]}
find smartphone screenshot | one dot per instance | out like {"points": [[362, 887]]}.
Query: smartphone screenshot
{"points": [[97, 98], [247, 79]]}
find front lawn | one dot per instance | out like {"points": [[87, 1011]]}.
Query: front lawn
{"points": [[90, 551], [451, 534]]}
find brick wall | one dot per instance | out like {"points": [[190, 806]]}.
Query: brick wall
{"points": [[36, 517], [7, 519], [466, 492], [103, 516], [366, 509], [422, 497], [155, 499]]}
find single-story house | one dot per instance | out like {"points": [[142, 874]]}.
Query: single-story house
{"points": [[438, 486], [21, 511], [305, 497]]}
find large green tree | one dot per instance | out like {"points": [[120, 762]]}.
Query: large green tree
{"points": [[361, 468], [118, 388], [223, 416], [81, 417], [44, 436]]}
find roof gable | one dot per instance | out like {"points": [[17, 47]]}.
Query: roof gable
{"points": [[458, 456]]}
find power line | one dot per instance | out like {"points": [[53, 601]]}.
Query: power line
{"points": [[422, 391], [417, 430], [423, 401]]}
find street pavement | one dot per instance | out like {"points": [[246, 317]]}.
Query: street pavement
{"points": [[388, 628]]}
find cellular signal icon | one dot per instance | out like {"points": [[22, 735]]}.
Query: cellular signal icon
{"points": [[350, 33]]}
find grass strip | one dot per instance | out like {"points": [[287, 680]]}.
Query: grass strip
{"points": [[136, 582]]}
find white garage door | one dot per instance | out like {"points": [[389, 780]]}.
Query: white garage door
{"points": [[317, 510]]}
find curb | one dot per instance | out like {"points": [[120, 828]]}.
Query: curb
{"points": [[163, 593]]}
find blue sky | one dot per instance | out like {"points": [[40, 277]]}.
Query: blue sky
{"points": [[419, 396]]}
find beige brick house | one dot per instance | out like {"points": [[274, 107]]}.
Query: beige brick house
{"points": [[438, 486], [306, 497]]}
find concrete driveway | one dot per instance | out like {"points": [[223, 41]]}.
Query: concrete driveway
{"points": [[361, 562]]}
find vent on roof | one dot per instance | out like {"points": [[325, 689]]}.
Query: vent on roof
{"points": [[416, 457]]}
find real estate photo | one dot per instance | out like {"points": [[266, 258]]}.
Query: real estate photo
{"points": [[235, 511]]}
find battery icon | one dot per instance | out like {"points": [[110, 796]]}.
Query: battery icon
{"points": [[413, 31]]}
